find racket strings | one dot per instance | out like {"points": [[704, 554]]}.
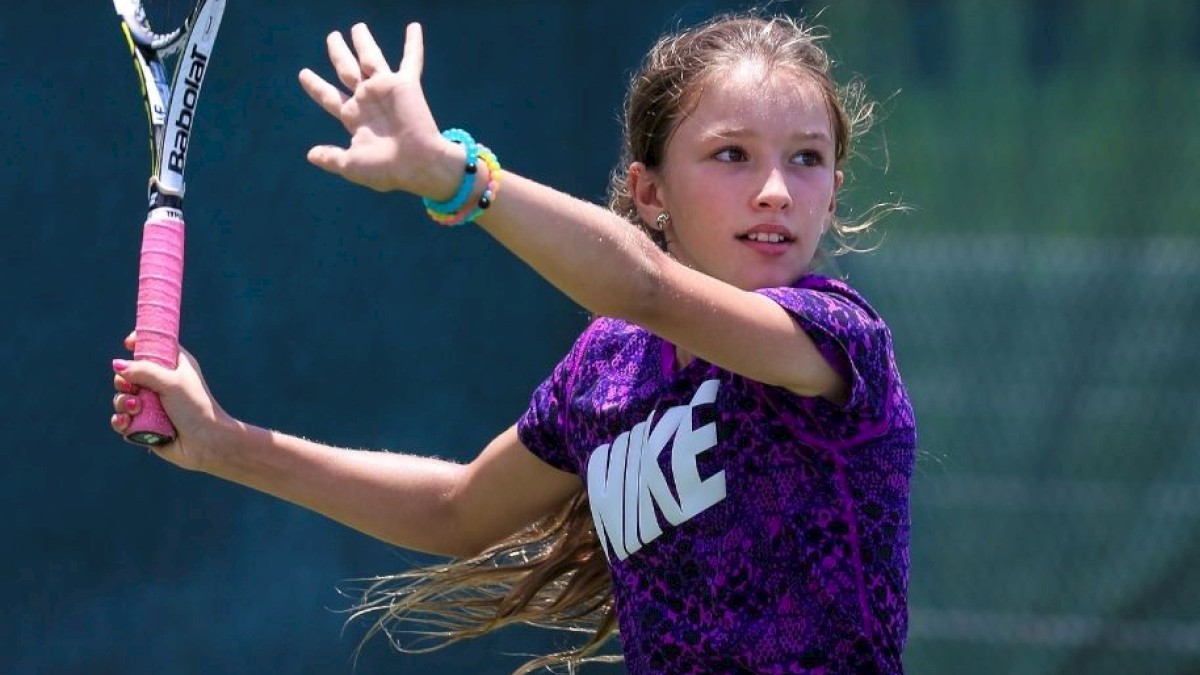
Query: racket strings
{"points": [[163, 22]]}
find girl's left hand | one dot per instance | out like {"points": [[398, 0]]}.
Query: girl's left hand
{"points": [[394, 141]]}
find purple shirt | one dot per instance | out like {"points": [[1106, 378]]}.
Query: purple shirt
{"points": [[748, 529]]}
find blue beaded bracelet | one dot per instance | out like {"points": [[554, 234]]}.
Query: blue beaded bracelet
{"points": [[468, 183], [493, 186], [470, 212]]}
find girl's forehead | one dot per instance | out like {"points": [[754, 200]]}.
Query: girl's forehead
{"points": [[753, 93]]}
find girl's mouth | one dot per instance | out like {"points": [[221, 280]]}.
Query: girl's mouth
{"points": [[767, 243], [766, 237]]}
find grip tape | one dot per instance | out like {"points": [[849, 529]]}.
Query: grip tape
{"points": [[160, 292]]}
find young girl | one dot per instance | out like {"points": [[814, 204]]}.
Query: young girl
{"points": [[732, 425]]}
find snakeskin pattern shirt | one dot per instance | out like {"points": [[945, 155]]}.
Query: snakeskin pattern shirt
{"points": [[748, 529]]}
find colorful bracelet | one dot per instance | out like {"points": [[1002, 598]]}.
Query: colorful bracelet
{"points": [[493, 185], [469, 177], [470, 212]]}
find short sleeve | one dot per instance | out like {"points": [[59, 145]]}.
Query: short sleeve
{"points": [[543, 426], [850, 335]]}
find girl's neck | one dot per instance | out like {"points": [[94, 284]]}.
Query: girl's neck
{"points": [[674, 359], [683, 357]]}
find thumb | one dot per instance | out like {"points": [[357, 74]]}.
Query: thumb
{"points": [[145, 374], [328, 157]]}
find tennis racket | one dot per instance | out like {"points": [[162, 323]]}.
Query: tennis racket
{"points": [[170, 102]]}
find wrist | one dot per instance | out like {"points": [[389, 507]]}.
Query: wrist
{"points": [[215, 447], [477, 189], [444, 174]]}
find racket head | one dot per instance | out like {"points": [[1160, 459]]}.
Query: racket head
{"points": [[155, 30], [157, 25]]}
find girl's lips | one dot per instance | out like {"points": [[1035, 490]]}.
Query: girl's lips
{"points": [[768, 239], [768, 232], [767, 248]]}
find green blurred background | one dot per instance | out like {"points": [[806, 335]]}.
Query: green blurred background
{"points": [[1044, 292]]}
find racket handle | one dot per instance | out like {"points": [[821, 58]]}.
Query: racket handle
{"points": [[160, 290]]}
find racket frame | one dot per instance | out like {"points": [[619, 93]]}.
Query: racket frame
{"points": [[170, 106]]}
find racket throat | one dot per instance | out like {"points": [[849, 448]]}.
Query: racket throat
{"points": [[160, 196]]}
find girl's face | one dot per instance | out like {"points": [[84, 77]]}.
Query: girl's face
{"points": [[748, 178]]}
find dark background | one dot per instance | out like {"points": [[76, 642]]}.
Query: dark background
{"points": [[1042, 293], [314, 306]]}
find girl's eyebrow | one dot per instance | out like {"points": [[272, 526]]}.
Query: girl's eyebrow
{"points": [[726, 133]]}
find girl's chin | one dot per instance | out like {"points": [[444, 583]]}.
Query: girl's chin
{"points": [[754, 277], [769, 281]]}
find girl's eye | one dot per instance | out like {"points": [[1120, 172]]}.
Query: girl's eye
{"points": [[808, 158], [730, 155]]}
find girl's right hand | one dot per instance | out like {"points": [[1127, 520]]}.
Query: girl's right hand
{"points": [[199, 421]]}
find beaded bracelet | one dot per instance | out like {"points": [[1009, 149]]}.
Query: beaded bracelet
{"points": [[472, 211], [468, 183]]}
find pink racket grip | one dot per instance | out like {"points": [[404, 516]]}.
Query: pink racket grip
{"points": [[160, 291]]}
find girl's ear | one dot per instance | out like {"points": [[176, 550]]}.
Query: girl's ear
{"points": [[838, 177], [646, 190]]}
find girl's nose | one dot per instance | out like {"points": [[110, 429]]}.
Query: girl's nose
{"points": [[774, 193]]}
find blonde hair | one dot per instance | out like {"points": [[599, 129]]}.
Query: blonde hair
{"points": [[553, 574]]}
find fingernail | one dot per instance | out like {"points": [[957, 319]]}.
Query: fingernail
{"points": [[131, 403], [119, 365]]}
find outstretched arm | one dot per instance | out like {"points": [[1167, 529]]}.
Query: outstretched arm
{"points": [[589, 253], [419, 503]]}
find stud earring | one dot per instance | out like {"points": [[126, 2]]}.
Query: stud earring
{"points": [[661, 222]]}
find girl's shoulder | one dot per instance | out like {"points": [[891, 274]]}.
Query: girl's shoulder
{"points": [[605, 336], [837, 288]]}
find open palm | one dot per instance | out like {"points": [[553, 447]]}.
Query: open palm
{"points": [[393, 135]]}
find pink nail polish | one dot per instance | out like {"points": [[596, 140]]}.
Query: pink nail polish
{"points": [[119, 365], [130, 403]]}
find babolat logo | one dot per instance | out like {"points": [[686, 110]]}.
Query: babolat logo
{"points": [[183, 122]]}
